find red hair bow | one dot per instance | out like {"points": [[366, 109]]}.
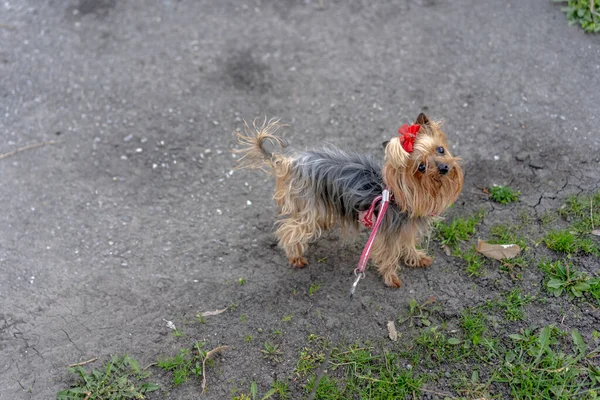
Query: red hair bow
{"points": [[408, 134]]}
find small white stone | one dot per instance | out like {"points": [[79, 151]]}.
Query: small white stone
{"points": [[154, 166], [496, 158], [248, 202], [207, 151], [219, 212], [139, 150]]}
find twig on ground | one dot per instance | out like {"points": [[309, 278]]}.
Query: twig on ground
{"points": [[28, 147], [84, 362], [9, 27], [209, 355], [148, 366]]}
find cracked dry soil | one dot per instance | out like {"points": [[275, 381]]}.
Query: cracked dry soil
{"points": [[135, 215]]}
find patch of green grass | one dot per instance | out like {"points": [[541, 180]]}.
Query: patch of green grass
{"points": [[364, 374], [504, 234], [436, 346], [287, 318], [548, 217], [241, 281], [536, 366], [457, 230], [583, 212], [120, 378], [475, 262], [512, 305], [586, 13], [473, 323], [569, 242], [503, 194], [185, 364]]}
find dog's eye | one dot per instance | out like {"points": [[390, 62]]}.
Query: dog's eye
{"points": [[421, 167], [440, 150]]}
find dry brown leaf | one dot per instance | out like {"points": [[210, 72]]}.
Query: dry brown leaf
{"points": [[392, 332], [498, 251], [209, 313], [596, 232], [209, 355]]}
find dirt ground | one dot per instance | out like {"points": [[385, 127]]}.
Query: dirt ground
{"points": [[133, 215]]}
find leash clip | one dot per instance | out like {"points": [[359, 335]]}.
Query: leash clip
{"points": [[359, 276]]}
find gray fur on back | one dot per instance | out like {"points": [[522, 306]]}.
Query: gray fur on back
{"points": [[345, 182]]}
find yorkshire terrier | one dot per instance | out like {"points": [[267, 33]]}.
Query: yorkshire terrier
{"points": [[317, 189]]}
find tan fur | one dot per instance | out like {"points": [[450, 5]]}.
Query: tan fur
{"points": [[421, 195]]}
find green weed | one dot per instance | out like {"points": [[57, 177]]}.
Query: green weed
{"points": [[533, 368], [177, 333], [271, 352], [503, 194], [314, 288], [513, 304], [504, 234], [186, 363], [420, 312], [473, 323], [569, 242], [583, 212], [563, 278], [475, 262], [120, 378], [367, 375], [457, 230], [586, 13]]}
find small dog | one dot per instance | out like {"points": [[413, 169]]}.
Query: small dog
{"points": [[317, 189]]}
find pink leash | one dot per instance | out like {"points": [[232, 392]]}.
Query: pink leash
{"points": [[362, 263]]}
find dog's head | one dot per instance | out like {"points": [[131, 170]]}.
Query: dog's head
{"points": [[428, 179]]}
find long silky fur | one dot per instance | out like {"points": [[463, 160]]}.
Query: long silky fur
{"points": [[316, 190]]}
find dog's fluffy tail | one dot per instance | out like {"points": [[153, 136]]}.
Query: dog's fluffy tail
{"points": [[255, 155]]}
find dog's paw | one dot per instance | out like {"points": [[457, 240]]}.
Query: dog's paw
{"points": [[425, 261], [298, 262], [392, 280], [419, 261]]}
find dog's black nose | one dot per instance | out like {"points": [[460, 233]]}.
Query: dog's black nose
{"points": [[443, 168]]}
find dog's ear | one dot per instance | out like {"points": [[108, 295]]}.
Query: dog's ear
{"points": [[384, 144], [422, 119], [395, 155]]}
